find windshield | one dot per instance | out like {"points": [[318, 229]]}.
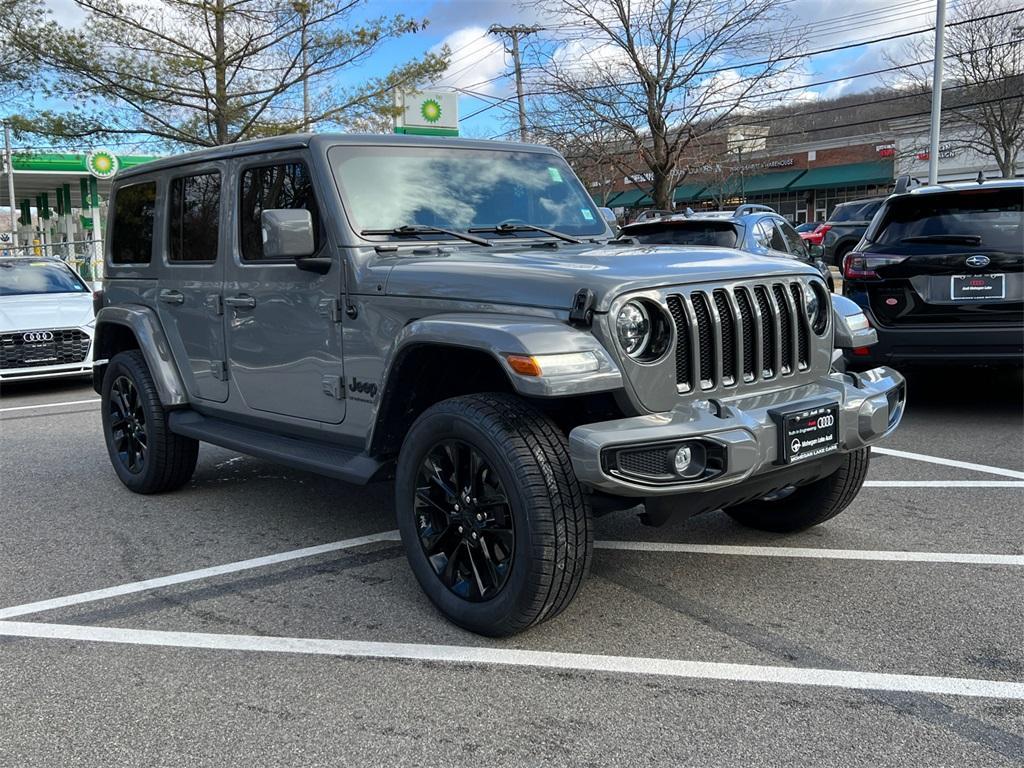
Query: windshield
{"points": [[21, 278], [387, 187], [983, 218], [713, 233]]}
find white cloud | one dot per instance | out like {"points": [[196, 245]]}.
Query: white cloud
{"points": [[477, 59]]}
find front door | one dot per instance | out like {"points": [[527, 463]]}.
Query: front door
{"points": [[283, 327], [190, 283]]}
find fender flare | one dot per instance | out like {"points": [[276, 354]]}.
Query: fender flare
{"points": [[144, 324], [500, 335]]}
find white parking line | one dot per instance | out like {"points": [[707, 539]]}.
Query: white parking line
{"points": [[458, 654], [47, 405], [950, 462], [201, 573], [965, 558], [635, 546], [944, 484]]}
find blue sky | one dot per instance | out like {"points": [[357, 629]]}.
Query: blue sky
{"points": [[480, 63]]}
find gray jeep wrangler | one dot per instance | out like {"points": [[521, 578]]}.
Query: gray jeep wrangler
{"points": [[454, 315]]}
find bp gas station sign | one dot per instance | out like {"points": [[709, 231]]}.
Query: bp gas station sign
{"points": [[428, 113], [101, 163]]}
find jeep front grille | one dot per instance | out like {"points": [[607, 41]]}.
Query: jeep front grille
{"points": [[740, 334], [69, 345]]}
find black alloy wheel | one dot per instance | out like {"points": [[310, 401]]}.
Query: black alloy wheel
{"points": [[146, 456], [464, 521], [128, 425]]}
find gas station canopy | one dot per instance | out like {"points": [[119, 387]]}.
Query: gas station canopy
{"points": [[40, 173]]}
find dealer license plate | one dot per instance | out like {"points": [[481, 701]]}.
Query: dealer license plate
{"points": [[977, 287], [39, 353], [808, 434]]}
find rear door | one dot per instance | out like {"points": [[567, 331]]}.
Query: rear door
{"points": [[955, 256], [191, 279], [283, 324]]}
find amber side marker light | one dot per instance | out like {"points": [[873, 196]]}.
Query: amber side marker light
{"points": [[561, 364], [524, 365]]}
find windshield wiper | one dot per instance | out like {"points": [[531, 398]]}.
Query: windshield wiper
{"points": [[503, 229], [416, 229], [949, 237]]}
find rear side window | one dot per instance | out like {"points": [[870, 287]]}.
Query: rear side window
{"points": [[267, 187], [982, 218], [194, 218], [859, 211], [131, 234], [769, 236]]}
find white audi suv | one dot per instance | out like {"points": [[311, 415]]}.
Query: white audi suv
{"points": [[46, 320]]}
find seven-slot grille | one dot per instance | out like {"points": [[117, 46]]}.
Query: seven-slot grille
{"points": [[69, 345], [741, 334]]}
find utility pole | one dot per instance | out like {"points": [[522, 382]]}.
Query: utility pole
{"points": [[302, 8], [514, 33], [940, 35]]}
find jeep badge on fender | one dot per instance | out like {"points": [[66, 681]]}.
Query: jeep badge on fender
{"points": [[529, 371]]}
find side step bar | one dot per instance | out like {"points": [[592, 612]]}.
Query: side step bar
{"points": [[309, 455]]}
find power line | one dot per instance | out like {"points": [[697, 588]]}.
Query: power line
{"points": [[809, 54]]}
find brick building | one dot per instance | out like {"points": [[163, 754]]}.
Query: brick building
{"points": [[803, 183]]}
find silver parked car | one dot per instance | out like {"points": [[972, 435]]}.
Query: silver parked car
{"points": [[448, 313]]}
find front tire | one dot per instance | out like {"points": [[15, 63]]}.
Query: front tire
{"points": [[808, 505], [146, 455], [495, 525]]}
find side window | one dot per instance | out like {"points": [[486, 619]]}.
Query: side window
{"points": [[273, 186], [194, 220], [131, 234], [763, 233], [793, 240], [778, 242]]}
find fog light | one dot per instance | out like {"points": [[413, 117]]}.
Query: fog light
{"points": [[683, 460]]}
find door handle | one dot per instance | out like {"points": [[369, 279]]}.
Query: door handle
{"points": [[172, 297], [241, 301]]}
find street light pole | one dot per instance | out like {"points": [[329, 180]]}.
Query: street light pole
{"points": [[940, 35], [9, 161]]}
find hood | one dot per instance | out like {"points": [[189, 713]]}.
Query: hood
{"points": [[45, 311], [543, 277]]}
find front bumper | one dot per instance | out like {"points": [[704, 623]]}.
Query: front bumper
{"points": [[742, 432]]}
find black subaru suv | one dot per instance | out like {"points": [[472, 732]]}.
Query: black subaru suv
{"points": [[940, 275]]}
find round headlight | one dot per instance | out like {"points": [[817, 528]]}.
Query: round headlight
{"points": [[633, 328], [816, 305]]}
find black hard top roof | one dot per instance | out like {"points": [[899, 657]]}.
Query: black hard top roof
{"points": [[302, 140]]}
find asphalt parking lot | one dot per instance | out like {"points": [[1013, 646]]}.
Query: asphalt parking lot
{"points": [[890, 636]]}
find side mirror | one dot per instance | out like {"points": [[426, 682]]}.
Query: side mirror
{"points": [[288, 234], [815, 251], [852, 328]]}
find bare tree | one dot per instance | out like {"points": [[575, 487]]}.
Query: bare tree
{"points": [[984, 74], [659, 73], [208, 72]]}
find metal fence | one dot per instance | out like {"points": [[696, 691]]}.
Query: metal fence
{"points": [[80, 254]]}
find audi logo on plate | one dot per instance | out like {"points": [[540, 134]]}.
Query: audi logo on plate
{"points": [[36, 336], [826, 421]]}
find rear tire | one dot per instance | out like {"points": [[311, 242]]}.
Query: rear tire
{"points": [[146, 455], [490, 567], [808, 505]]}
